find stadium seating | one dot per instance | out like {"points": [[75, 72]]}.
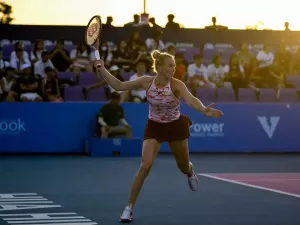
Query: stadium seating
{"points": [[247, 95]]}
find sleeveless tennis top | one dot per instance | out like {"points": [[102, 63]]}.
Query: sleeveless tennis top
{"points": [[164, 105]]}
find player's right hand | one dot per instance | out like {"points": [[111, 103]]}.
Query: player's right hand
{"points": [[99, 64]]}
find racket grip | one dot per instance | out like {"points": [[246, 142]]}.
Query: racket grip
{"points": [[97, 56]]}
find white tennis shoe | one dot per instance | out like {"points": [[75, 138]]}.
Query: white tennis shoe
{"points": [[193, 180], [126, 216]]}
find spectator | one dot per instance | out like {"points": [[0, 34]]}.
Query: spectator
{"points": [[20, 47], [155, 43], [60, 57], [36, 53], [7, 86], [135, 23], [197, 74], [105, 54], [265, 59], [19, 60], [111, 114], [153, 23], [180, 70], [285, 58], [109, 21], [216, 73], [3, 64], [144, 55], [122, 58], [115, 71], [234, 73], [171, 24], [287, 26], [214, 25], [82, 58], [296, 67], [139, 96], [246, 60], [51, 90], [171, 49], [134, 42], [29, 88], [277, 75], [39, 66]]}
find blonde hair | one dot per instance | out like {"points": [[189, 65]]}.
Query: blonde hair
{"points": [[159, 58]]}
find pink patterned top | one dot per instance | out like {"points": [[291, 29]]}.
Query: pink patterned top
{"points": [[164, 105]]}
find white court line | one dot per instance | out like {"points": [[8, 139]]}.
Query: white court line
{"points": [[249, 185]]}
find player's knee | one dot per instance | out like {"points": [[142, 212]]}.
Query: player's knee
{"points": [[145, 167]]}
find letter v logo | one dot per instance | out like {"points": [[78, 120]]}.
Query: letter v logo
{"points": [[269, 127]]}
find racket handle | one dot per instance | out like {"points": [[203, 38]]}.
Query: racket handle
{"points": [[97, 56]]}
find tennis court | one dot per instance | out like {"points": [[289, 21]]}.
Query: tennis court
{"points": [[240, 189]]}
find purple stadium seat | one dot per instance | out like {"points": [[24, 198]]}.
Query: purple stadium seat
{"points": [[225, 95], [206, 95], [208, 55], [247, 95], [96, 95], [87, 79], [49, 48], [288, 95], [69, 47], [127, 75], [294, 79], [7, 50], [267, 95], [28, 48], [189, 53], [73, 94], [65, 75]]}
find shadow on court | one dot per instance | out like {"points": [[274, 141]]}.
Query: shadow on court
{"points": [[88, 191]]}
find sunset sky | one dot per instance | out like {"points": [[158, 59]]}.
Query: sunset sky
{"points": [[235, 14]]}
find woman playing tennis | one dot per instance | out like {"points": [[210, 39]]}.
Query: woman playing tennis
{"points": [[165, 123]]}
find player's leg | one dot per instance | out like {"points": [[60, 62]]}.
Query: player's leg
{"points": [[150, 150], [180, 151]]}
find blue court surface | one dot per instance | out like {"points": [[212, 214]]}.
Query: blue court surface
{"points": [[81, 190]]}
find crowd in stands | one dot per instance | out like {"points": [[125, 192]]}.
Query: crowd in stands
{"points": [[31, 75]]}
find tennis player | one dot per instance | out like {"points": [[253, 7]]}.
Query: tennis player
{"points": [[165, 123]]}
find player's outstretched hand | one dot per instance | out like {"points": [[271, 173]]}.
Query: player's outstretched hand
{"points": [[211, 112]]}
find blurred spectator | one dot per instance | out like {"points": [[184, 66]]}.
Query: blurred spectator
{"points": [[3, 64], [109, 21], [287, 26], [36, 53], [234, 73], [7, 86], [134, 41], [20, 47], [121, 57], [197, 74], [40, 66], [265, 59], [82, 58], [51, 90], [246, 59], [277, 75], [171, 49], [216, 73], [153, 23], [139, 96], [60, 57], [19, 60], [29, 88], [214, 25], [105, 54], [155, 43], [171, 24], [285, 58], [144, 55], [135, 23], [115, 71], [110, 117], [180, 70]]}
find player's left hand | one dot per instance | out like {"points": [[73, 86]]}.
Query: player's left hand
{"points": [[211, 112]]}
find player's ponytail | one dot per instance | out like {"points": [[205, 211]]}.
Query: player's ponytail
{"points": [[158, 59]]}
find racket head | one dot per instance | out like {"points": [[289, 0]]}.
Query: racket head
{"points": [[93, 30]]}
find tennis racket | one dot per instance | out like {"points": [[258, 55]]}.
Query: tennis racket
{"points": [[92, 33]]}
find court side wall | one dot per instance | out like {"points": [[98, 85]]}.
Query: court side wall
{"points": [[64, 128]]}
